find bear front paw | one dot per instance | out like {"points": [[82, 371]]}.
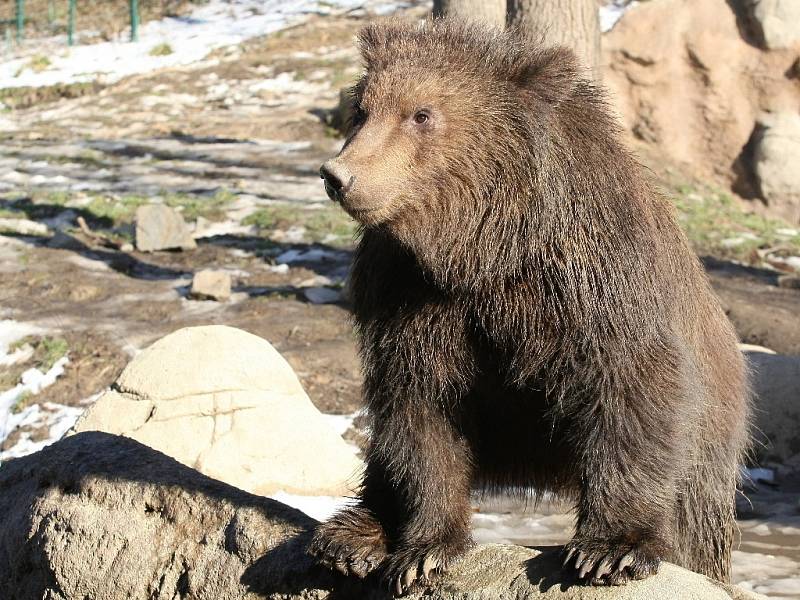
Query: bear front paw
{"points": [[602, 562], [419, 566], [351, 542]]}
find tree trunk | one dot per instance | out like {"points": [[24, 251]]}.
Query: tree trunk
{"points": [[492, 12], [573, 23]]}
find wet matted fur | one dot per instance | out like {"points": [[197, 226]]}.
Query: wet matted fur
{"points": [[530, 315]]}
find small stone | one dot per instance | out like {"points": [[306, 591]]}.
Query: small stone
{"points": [[200, 226], [211, 285], [23, 227], [160, 227]]}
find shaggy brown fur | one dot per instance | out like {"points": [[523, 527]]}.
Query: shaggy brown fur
{"points": [[531, 317]]}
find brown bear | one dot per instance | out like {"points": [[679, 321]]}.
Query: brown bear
{"points": [[531, 319]]}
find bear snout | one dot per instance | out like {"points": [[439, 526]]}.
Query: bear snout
{"points": [[337, 178]]}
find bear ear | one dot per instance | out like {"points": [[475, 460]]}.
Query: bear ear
{"points": [[550, 74], [374, 40], [371, 40]]}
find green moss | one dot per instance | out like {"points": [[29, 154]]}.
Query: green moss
{"points": [[320, 224], [717, 224], [57, 198], [21, 403], [38, 63], [163, 49], [46, 351], [116, 210], [25, 97], [208, 207], [50, 351]]}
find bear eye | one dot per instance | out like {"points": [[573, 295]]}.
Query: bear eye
{"points": [[421, 117]]}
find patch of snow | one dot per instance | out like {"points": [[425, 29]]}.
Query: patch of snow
{"points": [[10, 332], [294, 235], [285, 82], [281, 147], [316, 507], [766, 573], [32, 381], [217, 24], [739, 239], [611, 13], [340, 423], [57, 417]]}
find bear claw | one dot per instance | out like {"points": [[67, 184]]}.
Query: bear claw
{"points": [[352, 543], [602, 563]]}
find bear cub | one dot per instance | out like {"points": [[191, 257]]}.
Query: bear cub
{"points": [[531, 319]]}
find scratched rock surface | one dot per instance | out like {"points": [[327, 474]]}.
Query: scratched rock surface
{"points": [[166, 531], [225, 402]]}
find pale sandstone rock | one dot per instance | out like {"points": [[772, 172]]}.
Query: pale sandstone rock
{"points": [[778, 22], [777, 162], [160, 227], [691, 92], [211, 285], [226, 403], [23, 227]]}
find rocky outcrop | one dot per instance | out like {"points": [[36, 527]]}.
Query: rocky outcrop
{"points": [[692, 92], [160, 227], [777, 162], [225, 402], [777, 22], [105, 517]]}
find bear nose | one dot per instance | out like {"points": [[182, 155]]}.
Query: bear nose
{"points": [[338, 179]]}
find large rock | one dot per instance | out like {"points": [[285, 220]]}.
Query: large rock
{"points": [[103, 517], [160, 227], [225, 402], [778, 22], [777, 162], [776, 382], [691, 92]]}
